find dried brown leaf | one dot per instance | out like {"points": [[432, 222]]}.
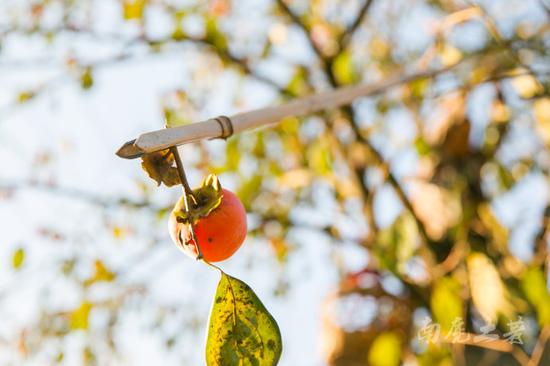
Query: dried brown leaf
{"points": [[160, 167]]}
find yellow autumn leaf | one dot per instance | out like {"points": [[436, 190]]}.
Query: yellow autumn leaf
{"points": [[18, 258], [25, 96], [497, 230], [450, 55], [436, 207], [500, 112], [446, 302], [527, 86], [379, 48], [79, 316], [541, 109], [101, 273], [344, 68], [385, 350], [87, 78], [535, 288], [133, 9], [295, 178], [119, 232], [489, 294]]}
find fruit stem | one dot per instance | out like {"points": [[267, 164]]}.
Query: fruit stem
{"points": [[212, 265], [181, 171], [187, 192]]}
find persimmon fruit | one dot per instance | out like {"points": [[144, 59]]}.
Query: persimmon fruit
{"points": [[219, 222]]}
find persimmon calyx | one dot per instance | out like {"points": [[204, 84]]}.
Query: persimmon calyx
{"points": [[202, 201]]}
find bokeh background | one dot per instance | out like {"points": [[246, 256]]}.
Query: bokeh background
{"points": [[427, 200]]}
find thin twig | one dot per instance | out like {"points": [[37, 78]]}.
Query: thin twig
{"points": [[539, 347], [181, 172], [326, 63], [346, 37], [224, 54], [106, 202], [349, 112], [297, 21], [499, 345], [492, 28]]}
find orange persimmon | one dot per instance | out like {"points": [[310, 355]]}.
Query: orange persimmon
{"points": [[220, 232]]}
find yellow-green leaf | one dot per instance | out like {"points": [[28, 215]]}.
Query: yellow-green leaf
{"points": [[446, 302], [86, 78], [249, 189], [178, 34], [213, 34], [18, 258], [298, 84], [343, 68], [319, 158], [25, 96], [385, 350], [241, 331], [534, 286]]}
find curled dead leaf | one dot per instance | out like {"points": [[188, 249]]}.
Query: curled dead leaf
{"points": [[160, 167]]}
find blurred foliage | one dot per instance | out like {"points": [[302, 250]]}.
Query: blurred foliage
{"points": [[448, 251]]}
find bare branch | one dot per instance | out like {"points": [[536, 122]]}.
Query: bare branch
{"points": [[346, 37], [105, 202], [539, 347], [298, 22], [499, 345]]}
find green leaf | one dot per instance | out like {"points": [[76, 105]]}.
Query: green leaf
{"points": [[18, 258], [446, 302], [241, 331], [385, 350]]}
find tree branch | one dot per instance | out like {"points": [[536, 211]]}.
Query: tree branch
{"points": [[105, 202], [499, 345], [298, 22], [346, 37], [539, 347], [327, 65]]}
